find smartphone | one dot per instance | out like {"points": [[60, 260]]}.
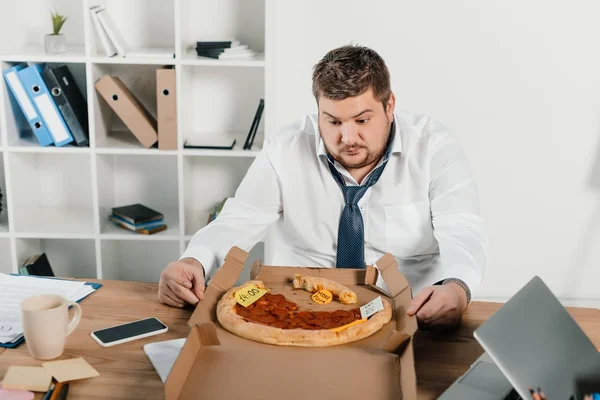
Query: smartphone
{"points": [[130, 331]]}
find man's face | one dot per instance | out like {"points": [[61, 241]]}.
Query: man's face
{"points": [[355, 130]]}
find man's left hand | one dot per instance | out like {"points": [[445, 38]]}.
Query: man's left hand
{"points": [[439, 307]]}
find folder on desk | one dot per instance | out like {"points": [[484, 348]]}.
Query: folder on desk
{"points": [[38, 91], [23, 286], [29, 109], [71, 103], [129, 109], [166, 102]]}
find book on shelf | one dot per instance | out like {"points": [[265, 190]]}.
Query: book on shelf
{"points": [[210, 143], [254, 127], [138, 218], [114, 44], [225, 50], [38, 265], [137, 213], [129, 109], [70, 101]]}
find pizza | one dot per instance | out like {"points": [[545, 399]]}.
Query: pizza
{"points": [[273, 319]]}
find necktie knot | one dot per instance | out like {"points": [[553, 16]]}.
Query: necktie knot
{"points": [[352, 194]]}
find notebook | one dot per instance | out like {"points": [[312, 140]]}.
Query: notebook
{"points": [[15, 288]]}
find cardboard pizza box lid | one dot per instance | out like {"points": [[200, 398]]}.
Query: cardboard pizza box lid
{"points": [[217, 364]]}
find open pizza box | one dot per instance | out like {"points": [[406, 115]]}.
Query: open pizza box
{"points": [[216, 364]]}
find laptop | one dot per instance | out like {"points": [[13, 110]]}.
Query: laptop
{"points": [[530, 342]]}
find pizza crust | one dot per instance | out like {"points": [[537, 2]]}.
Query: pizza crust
{"points": [[230, 320], [313, 284]]}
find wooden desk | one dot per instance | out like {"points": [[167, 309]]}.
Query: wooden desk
{"points": [[126, 372]]}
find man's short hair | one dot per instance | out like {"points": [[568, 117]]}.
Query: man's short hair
{"points": [[350, 71]]}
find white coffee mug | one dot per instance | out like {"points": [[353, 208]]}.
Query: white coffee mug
{"points": [[46, 324]]}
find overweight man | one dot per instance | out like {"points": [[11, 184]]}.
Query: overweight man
{"points": [[344, 186]]}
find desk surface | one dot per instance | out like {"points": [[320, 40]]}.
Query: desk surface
{"points": [[126, 372]]}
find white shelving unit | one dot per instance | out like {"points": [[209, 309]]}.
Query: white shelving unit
{"points": [[57, 199]]}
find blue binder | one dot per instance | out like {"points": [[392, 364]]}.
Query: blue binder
{"points": [[38, 91], [14, 344], [30, 111]]}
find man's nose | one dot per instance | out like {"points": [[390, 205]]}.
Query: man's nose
{"points": [[349, 134]]}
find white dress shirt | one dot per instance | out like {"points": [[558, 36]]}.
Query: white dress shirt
{"points": [[424, 210]]}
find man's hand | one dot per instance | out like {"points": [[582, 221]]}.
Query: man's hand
{"points": [[439, 307], [181, 282]]}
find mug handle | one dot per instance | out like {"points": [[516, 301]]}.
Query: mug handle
{"points": [[75, 321]]}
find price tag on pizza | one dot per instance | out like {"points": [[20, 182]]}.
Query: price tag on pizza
{"points": [[323, 296], [371, 308], [249, 294]]}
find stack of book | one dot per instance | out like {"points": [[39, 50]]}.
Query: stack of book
{"points": [[225, 50], [138, 218]]}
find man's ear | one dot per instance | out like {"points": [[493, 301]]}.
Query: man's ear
{"points": [[391, 104]]}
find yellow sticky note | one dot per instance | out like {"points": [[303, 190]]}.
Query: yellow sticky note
{"points": [[344, 327], [70, 370], [249, 294], [36, 379], [323, 296]]}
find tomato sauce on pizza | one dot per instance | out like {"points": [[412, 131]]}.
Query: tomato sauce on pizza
{"points": [[276, 311]]}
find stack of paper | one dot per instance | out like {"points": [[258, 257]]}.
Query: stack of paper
{"points": [[16, 288]]}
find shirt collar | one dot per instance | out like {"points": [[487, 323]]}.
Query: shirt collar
{"points": [[396, 140]]}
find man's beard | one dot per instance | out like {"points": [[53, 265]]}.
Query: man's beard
{"points": [[368, 160]]}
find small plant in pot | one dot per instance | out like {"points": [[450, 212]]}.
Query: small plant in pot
{"points": [[55, 42]]}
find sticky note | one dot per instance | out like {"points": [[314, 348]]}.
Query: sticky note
{"points": [[323, 296], [70, 370], [11, 394], [36, 379], [371, 308], [249, 294]]}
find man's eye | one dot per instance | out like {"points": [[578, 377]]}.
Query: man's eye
{"points": [[336, 123], [362, 121]]}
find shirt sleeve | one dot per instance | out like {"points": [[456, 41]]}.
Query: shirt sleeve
{"points": [[455, 211], [244, 218]]}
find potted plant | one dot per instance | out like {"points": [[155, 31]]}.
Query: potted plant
{"points": [[55, 42]]}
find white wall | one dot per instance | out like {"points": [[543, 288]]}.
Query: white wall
{"points": [[517, 81]]}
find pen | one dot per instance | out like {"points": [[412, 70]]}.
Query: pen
{"points": [[63, 392], [49, 392], [57, 390]]}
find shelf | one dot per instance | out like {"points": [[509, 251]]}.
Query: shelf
{"points": [[4, 219], [53, 222], [212, 105], [224, 175], [52, 192], [30, 145], [108, 230], [237, 150], [133, 60], [123, 142], [75, 258], [74, 54], [191, 59], [5, 256], [137, 260]]}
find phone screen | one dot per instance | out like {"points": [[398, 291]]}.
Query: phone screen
{"points": [[128, 330]]}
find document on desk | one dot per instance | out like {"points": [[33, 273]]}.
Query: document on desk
{"points": [[16, 288]]}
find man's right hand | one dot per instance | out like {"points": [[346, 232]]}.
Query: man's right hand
{"points": [[181, 282]]}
